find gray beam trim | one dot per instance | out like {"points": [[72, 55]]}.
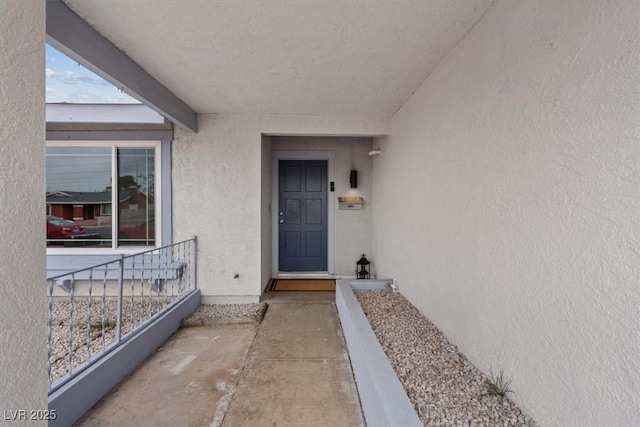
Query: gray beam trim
{"points": [[70, 34], [110, 135], [76, 127]]}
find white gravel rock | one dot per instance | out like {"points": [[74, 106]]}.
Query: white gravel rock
{"points": [[221, 314], [71, 341], [444, 387]]}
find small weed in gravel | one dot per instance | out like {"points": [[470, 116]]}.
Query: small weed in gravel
{"points": [[97, 326], [497, 385]]}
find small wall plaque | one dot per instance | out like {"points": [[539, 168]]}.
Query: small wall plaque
{"points": [[350, 203]]}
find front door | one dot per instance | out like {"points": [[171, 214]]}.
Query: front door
{"points": [[302, 215]]}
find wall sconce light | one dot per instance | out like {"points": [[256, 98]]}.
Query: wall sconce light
{"points": [[353, 179]]}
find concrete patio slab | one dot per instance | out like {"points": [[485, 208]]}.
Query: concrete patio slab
{"points": [[298, 371], [292, 369], [301, 297], [299, 331], [290, 392], [188, 381]]}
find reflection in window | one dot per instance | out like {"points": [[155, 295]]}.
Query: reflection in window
{"points": [[78, 196], [80, 199], [136, 177]]}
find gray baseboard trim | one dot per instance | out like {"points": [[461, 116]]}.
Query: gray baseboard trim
{"points": [[384, 401], [76, 397]]}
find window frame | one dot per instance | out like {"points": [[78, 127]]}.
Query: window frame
{"points": [[162, 180], [114, 146]]}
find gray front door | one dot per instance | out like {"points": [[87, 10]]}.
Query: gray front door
{"points": [[302, 215]]}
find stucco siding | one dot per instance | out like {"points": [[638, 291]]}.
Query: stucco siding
{"points": [[265, 214], [218, 192], [506, 204], [23, 356]]}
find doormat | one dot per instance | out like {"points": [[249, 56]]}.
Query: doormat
{"points": [[302, 285]]}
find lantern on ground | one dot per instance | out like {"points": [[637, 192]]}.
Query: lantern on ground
{"points": [[362, 267]]}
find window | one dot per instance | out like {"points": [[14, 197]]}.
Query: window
{"points": [[103, 195]]}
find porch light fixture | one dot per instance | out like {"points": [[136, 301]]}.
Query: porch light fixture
{"points": [[353, 179], [361, 268]]}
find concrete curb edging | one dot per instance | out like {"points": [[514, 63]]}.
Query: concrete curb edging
{"points": [[256, 318], [384, 401]]}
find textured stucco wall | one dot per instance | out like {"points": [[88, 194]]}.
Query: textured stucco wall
{"points": [[23, 310], [507, 204], [352, 227], [217, 192], [265, 214]]}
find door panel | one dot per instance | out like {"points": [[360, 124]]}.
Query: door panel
{"points": [[293, 211], [303, 215], [314, 243], [313, 211], [292, 244], [313, 180], [292, 179]]}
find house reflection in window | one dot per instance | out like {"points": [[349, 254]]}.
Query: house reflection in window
{"points": [[80, 196]]}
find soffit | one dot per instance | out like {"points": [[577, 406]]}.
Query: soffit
{"points": [[362, 58]]}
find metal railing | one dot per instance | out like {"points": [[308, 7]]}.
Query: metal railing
{"points": [[94, 310]]}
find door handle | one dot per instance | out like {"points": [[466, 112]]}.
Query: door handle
{"points": [[281, 221]]}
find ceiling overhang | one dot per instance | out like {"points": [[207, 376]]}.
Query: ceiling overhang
{"points": [[357, 58], [71, 35]]}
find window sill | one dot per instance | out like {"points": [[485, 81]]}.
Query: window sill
{"points": [[147, 266], [105, 253]]}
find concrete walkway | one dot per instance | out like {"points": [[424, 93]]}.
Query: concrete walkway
{"points": [[292, 370], [298, 371]]}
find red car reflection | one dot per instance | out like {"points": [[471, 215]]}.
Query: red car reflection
{"points": [[58, 228], [137, 234]]}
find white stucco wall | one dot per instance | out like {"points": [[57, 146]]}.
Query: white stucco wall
{"points": [[507, 204], [23, 309], [265, 213], [217, 192], [352, 227]]}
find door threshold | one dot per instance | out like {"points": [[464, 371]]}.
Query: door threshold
{"points": [[303, 275]]}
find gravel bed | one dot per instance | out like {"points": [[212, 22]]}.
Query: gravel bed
{"points": [[211, 314], [102, 333], [89, 331], [444, 387]]}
